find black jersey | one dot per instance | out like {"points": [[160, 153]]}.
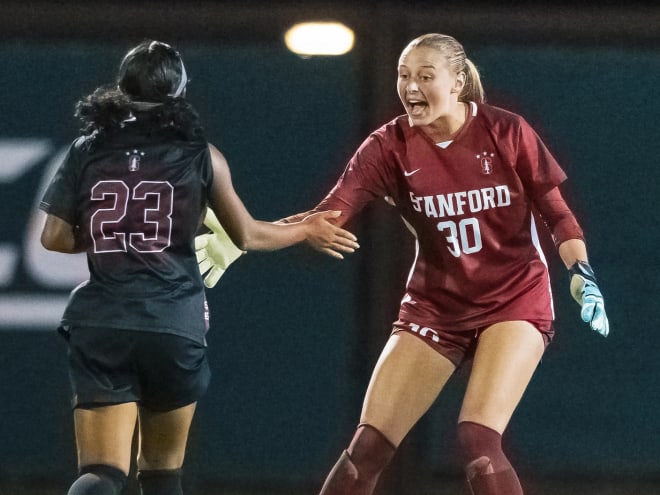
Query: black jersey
{"points": [[136, 200]]}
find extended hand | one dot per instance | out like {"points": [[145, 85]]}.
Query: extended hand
{"points": [[324, 236], [214, 251], [585, 291]]}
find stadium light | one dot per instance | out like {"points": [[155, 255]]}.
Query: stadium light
{"points": [[319, 38]]}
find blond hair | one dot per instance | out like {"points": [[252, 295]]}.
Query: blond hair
{"points": [[458, 61]]}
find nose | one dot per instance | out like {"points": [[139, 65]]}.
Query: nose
{"points": [[412, 87]]}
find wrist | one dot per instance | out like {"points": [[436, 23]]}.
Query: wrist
{"points": [[583, 269]]}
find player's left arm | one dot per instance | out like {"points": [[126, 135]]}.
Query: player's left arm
{"points": [[569, 239]]}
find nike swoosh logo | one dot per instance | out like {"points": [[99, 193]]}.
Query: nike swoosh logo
{"points": [[408, 174]]}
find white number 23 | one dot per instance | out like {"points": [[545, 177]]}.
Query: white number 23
{"points": [[150, 214]]}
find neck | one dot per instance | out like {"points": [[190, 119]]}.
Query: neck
{"points": [[446, 128]]}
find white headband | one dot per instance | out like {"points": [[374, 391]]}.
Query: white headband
{"points": [[182, 82]]}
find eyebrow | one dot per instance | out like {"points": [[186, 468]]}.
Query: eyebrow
{"points": [[429, 66]]}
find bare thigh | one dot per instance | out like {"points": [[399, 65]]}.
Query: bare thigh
{"points": [[407, 379], [163, 437], [104, 435], [506, 357]]}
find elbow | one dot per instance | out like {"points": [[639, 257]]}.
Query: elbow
{"points": [[54, 243], [247, 238], [243, 245], [48, 242], [242, 241]]}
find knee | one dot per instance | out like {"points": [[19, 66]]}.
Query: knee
{"points": [[357, 470], [487, 468], [99, 479], [159, 461], [481, 448], [152, 458], [370, 451]]}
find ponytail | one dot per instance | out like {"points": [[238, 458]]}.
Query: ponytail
{"points": [[473, 89]]}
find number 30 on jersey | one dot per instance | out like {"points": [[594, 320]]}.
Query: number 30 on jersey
{"points": [[462, 237]]}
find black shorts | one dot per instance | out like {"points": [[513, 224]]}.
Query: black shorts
{"points": [[157, 370]]}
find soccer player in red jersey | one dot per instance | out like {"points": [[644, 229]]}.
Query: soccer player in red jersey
{"points": [[131, 193], [466, 178]]}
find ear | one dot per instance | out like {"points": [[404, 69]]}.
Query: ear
{"points": [[459, 83]]}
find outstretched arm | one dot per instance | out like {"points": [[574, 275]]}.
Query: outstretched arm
{"points": [[250, 234]]}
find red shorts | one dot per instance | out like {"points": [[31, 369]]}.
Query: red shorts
{"points": [[459, 346]]}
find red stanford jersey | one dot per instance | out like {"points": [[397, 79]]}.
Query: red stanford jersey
{"points": [[478, 259]]}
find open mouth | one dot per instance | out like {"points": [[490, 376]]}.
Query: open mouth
{"points": [[416, 108]]}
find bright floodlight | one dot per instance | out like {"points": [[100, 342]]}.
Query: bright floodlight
{"points": [[319, 38]]}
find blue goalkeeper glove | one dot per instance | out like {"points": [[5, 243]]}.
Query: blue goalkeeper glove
{"points": [[214, 251], [587, 294]]}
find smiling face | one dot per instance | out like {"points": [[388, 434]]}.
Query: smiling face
{"points": [[427, 86]]}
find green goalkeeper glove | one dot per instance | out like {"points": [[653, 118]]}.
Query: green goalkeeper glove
{"points": [[214, 251], [587, 294]]}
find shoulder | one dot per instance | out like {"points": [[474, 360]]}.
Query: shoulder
{"points": [[390, 136], [215, 153], [503, 124], [394, 130], [80, 148], [219, 163], [497, 115]]}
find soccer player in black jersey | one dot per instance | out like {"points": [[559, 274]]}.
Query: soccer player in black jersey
{"points": [[132, 193]]}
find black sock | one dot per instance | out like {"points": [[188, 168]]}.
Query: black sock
{"points": [[160, 482], [98, 479]]}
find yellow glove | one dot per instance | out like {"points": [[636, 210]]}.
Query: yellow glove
{"points": [[214, 251]]}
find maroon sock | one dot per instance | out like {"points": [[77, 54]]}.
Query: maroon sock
{"points": [[488, 470], [358, 468]]}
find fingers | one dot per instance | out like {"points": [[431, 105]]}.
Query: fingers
{"points": [[213, 277], [201, 241], [343, 241], [588, 295], [349, 236], [600, 322], [593, 310], [205, 265], [328, 238], [332, 252], [201, 255], [345, 245]]}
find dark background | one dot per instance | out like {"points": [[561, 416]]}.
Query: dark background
{"points": [[294, 334]]}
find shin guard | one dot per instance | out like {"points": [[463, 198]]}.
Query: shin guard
{"points": [[160, 482], [488, 470], [358, 468], [98, 479]]}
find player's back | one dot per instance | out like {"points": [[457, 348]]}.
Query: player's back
{"points": [[140, 201]]}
